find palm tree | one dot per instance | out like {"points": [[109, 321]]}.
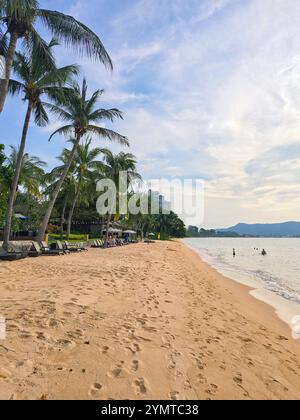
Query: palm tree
{"points": [[35, 81], [88, 170], [19, 20], [113, 165], [82, 116], [67, 190], [31, 174]]}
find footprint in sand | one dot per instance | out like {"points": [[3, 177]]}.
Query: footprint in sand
{"points": [[135, 366], [4, 374], [117, 372], [65, 343], [174, 395], [24, 335], [105, 350], [141, 386], [135, 348], [95, 390]]}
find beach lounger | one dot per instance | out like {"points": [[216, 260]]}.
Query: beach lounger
{"points": [[80, 247], [35, 250], [94, 244], [13, 254], [59, 246], [71, 248], [49, 252]]}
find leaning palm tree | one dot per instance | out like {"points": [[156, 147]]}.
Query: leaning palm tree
{"points": [[19, 20], [87, 171], [35, 81], [82, 116], [113, 165]]}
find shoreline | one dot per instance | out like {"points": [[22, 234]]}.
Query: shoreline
{"points": [[285, 309], [141, 322]]}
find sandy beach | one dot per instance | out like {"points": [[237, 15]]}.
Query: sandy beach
{"points": [[139, 322]]}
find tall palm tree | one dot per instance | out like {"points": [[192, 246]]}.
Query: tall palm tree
{"points": [[88, 170], [35, 81], [113, 165], [31, 174], [82, 116], [19, 20]]}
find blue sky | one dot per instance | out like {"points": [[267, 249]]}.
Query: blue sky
{"points": [[209, 88]]}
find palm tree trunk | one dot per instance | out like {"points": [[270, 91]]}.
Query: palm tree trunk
{"points": [[62, 219], [72, 209], [4, 83], [55, 194], [107, 230], [14, 186]]}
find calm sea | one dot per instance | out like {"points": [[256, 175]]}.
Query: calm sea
{"points": [[275, 277]]}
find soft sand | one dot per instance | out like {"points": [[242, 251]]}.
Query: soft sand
{"points": [[139, 322]]}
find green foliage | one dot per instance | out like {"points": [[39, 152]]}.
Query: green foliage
{"points": [[24, 17], [165, 226]]}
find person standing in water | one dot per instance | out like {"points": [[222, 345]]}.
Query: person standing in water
{"points": [[234, 253], [264, 253]]}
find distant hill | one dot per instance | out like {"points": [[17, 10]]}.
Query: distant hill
{"points": [[275, 229]]}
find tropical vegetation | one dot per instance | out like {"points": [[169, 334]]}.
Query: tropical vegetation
{"points": [[30, 198]]}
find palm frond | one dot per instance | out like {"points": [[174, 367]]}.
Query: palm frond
{"points": [[40, 52], [106, 114], [3, 44], [73, 32], [22, 67], [67, 130], [108, 134], [40, 115], [59, 76], [59, 112], [90, 104], [15, 87], [20, 9]]}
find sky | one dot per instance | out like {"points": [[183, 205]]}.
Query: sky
{"points": [[210, 89]]}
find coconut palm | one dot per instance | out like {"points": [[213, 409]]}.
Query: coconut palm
{"points": [[113, 165], [19, 20], [31, 174], [36, 82], [87, 171], [82, 116], [67, 190]]}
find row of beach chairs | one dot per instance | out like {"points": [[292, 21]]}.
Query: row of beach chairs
{"points": [[38, 249], [115, 243], [35, 249]]}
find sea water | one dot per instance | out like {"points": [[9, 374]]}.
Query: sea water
{"points": [[275, 277]]}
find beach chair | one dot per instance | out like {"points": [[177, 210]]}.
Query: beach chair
{"points": [[82, 246], [49, 252], [71, 248], [58, 245], [35, 250], [95, 244], [13, 254]]}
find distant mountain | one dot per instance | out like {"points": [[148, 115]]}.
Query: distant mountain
{"points": [[275, 229]]}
